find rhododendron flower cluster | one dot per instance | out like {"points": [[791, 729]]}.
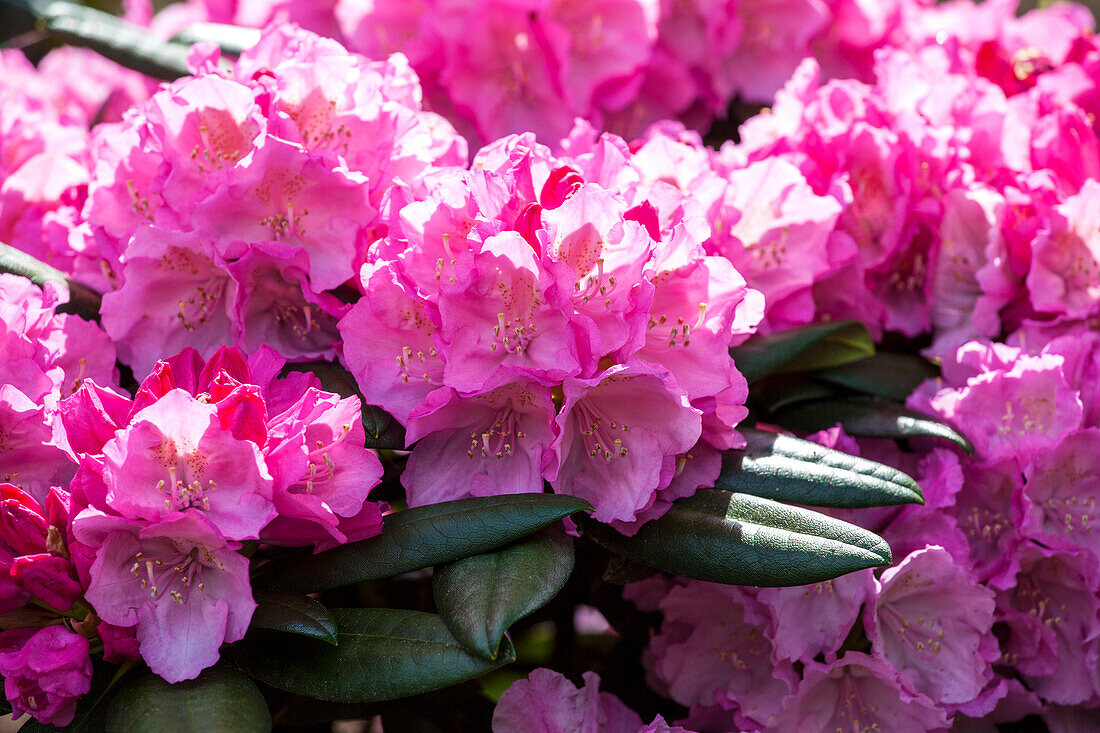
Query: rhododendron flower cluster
{"points": [[141, 549], [554, 310], [228, 205], [553, 318], [205, 456], [499, 68]]}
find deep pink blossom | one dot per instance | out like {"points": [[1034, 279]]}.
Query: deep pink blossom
{"points": [[276, 306], [45, 671], [1065, 271], [1060, 493], [775, 230], [322, 473], [175, 455], [175, 294], [1015, 412], [391, 343], [986, 510], [505, 311], [606, 255]]}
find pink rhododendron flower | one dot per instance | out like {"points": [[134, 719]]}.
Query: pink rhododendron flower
{"points": [[174, 580], [322, 472], [1052, 617], [934, 624], [775, 230], [610, 449], [33, 548], [505, 312], [175, 295], [1060, 493], [275, 171], [45, 672], [712, 647], [494, 442], [1065, 272], [860, 691], [390, 342], [254, 456], [1014, 413], [175, 455], [275, 306], [815, 619], [47, 356], [562, 271], [985, 512], [33, 561], [774, 38], [549, 703]]}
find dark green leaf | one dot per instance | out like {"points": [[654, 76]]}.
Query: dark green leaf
{"points": [[293, 613], [623, 571], [789, 469], [479, 597], [383, 654], [886, 374], [869, 417], [780, 390], [220, 699], [83, 301], [816, 346], [427, 535], [123, 42], [231, 39], [381, 429], [746, 540]]}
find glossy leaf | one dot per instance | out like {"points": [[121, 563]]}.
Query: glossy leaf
{"points": [[233, 40], [293, 613], [781, 390], [383, 654], [220, 699], [479, 597], [869, 417], [83, 301], [423, 536], [886, 374], [747, 540], [382, 430], [123, 42], [816, 346], [788, 469]]}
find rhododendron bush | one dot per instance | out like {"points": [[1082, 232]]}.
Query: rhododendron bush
{"points": [[505, 365]]}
